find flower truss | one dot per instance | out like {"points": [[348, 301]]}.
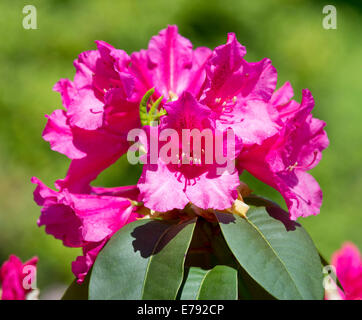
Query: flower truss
{"points": [[277, 139]]}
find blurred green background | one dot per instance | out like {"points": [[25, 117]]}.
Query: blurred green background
{"points": [[328, 62]]}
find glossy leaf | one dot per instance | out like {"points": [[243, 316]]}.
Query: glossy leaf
{"points": [[280, 256], [219, 283], [144, 260], [192, 284]]}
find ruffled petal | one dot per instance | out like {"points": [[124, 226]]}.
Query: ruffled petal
{"points": [[85, 67], [82, 264], [260, 80], [102, 149], [301, 192], [85, 220], [67, 91], [79, 218], [140, 68], [121, 115], [239, 92], [282, 160], [299, 189], [86, 111], [187, 113], [229, 75], [58, 133], [91, 151], [212, 190], [283, 95], [160, 190], [96, 72], [169, 65], [171, 58], [100, 216], [250, 121], [303, 137], [197, 76], [57, 215]]}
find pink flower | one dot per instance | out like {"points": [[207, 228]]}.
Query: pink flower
{"points": [[85, 220], [99, 113], [234, 95], [194, 180], [13, 280], [277, 139], [238, 92], [169, 65], [282, 160], [348, 264], [103, 100]]}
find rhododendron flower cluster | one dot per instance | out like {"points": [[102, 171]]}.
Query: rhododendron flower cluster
{"points": [[16, 278], [276, 138]]}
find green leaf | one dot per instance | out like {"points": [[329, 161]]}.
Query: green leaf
{"points": [[144, 260], [192, 284], [77, 291], [280, 256], [249, 289], [219, 283]]}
